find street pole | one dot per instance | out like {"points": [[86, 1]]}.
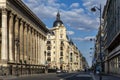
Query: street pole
{"points": [[100, 47], [94, 9]]}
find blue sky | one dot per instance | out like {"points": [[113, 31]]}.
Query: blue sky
{"points": [[81, 23]]}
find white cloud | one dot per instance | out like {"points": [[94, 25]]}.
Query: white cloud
{"points": [[90, 3], [75, 17], [81, 28], [70, 32], [74, 5], [87, 3], [84, 39]]}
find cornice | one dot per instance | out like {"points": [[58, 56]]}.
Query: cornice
{"points": [[24, 9]]}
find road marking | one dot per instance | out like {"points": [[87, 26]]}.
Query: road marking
{"points": [[61, 79]]}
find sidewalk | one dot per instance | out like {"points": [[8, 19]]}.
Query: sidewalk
{"points": [[7, 77], [108, 77], [14, 77]]}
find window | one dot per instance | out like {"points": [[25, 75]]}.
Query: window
{"points": [[61, 48], [48, 36], [48, 42], [61, 59], [70, 59], [61, 36], [62, 42], [48, 59], [119, 60], [48, 48], [61, 53], [48, 54]]}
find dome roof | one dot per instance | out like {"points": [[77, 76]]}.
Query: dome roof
{"points": [[57, 22]]}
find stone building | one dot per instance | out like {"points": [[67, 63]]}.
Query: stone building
{"points": [[61, 53], [111, 16], [22, 39]]}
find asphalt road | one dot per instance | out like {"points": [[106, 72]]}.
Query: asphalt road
{"points": [[51, 76]]}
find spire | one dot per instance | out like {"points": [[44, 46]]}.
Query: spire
{"points": [[57, 22], [58, 16]]}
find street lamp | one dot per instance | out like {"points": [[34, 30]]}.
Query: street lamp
{"points": [[94, 9], [17, 45]]}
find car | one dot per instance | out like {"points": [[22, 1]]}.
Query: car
{"points": [[58, 71]]}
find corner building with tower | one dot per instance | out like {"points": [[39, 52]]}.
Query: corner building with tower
{"points": [[61, 52]]}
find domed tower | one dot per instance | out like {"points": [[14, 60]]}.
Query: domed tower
{"points": [[57, 22]]}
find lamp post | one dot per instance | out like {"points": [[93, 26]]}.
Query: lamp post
{"points": [[94, 9], [17, 45]]}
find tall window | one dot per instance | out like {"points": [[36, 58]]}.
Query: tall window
{"points": [[48, 48], [61, 48], [61, 36], [70, 57], [48, 59], [48, 42], [62, 43], [48, 54], [119, 60], [61, 53]]}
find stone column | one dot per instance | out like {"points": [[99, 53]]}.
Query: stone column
{"points": [[32, 43], [21, 40], [4, 46], [25, 41], [11, 40], [39, 49], [16, 39], [35, 49]]}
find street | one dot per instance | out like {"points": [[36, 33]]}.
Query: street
{"points": [[62, 76]]}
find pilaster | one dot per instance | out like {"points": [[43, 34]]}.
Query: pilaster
{"points": [[16, 40], [25, 42], [11, 39], [21, 40], [4, 46]]}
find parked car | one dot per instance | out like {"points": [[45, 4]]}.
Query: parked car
{"points": [[59, 71]]}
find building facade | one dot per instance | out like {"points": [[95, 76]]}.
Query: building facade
{"points": [[22, 39], [61, 53], [111, 38]]}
